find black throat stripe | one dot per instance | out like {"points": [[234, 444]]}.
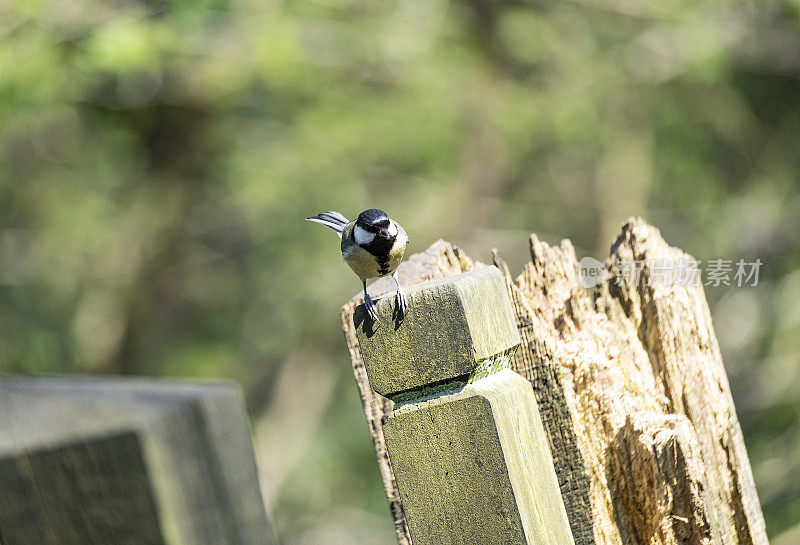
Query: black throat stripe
{"points": [[380, 248]]}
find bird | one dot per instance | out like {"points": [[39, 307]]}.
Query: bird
{"points": [[372, 245]]}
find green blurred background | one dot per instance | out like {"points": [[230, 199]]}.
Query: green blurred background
{"points": [[157, 159]]}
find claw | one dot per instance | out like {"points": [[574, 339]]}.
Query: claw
{"points": [[400, 297], [369, 305], [402, 302]]}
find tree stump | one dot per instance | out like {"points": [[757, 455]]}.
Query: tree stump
{"points": [[631, 390]]}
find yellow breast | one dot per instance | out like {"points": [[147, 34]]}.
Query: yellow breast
{"points": [[362, 262]]}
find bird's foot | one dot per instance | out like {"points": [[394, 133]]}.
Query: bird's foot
{"points": [[369, 305], [402, 302]]}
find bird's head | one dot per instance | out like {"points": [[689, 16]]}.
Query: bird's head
{"points": [[376, 223]]}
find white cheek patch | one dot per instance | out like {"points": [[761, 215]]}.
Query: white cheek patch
{"points": [[392, 229], [361, 236]]}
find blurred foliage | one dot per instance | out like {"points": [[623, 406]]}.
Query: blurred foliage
{"points": [[157, 159]]}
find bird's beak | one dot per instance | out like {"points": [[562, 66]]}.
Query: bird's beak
{"points": [[383, 233]]}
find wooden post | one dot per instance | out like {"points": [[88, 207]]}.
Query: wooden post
{"points": [[642, 423], [133, 462], [439, 261], [631, 389], [465, 439]]}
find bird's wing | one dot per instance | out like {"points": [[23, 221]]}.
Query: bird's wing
{"points": [[332, 220]]}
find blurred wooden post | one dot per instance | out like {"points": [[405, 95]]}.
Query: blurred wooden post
{"points": [[630, 387], [133, 462], [465, 439]]}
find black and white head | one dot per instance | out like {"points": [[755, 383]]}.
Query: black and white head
{"points": [[374, 225]]}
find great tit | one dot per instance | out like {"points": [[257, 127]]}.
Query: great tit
{"points": [[373, 246]]}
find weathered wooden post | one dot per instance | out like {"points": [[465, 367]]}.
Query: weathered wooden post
{"points": [[465, 438], [126, 462], [631, 389]]}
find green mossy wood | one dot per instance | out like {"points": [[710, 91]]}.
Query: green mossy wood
{"points": [[474, 467], [465, 440], [126, 462], [451, 326]]}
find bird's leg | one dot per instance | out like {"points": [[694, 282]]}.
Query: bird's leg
{"points": [[369, 304], [400, 297]]}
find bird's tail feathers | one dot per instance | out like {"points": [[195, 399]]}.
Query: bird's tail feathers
{"points": [[332, 220]]}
